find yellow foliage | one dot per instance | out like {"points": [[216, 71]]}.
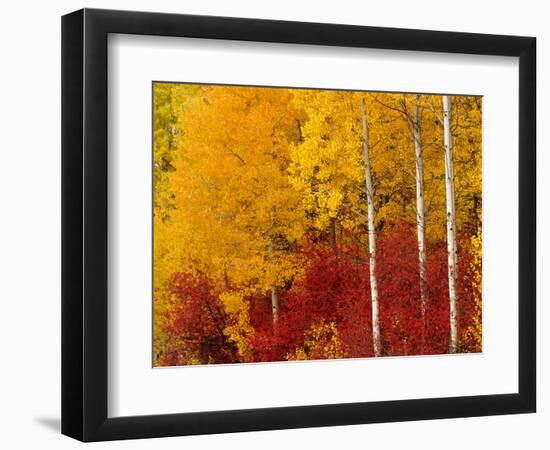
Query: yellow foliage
{"points": [[239, 330], [471, 339], [233, 190], [242, 175], [321, 341]]}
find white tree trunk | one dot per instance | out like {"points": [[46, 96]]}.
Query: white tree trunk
{"points": [[420, 218], [274, 295], [372, 236], [452, 256], [274, 304]]}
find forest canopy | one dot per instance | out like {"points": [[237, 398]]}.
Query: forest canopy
{"points": [[299, 224]]}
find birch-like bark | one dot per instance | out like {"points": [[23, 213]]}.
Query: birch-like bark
{"points": [[334, 238], [420, 218], [274, 304], [452, 257], [274, 296], [372, 236]]}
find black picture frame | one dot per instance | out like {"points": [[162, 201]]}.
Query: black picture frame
{"points": [[84, 224]]}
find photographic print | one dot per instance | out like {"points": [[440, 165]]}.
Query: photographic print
{"points": [[308, 224]]}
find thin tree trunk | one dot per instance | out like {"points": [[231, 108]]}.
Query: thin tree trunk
{"points": [[274, 312], [334, 238], [274, 296], [452, 256], [420, 218], [372, 236], [274, 304]]}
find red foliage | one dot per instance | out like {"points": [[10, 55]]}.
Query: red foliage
{"points": [[336, 288], [199, 321]]}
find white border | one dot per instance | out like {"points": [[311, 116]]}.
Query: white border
{"points": [[135, 388]]}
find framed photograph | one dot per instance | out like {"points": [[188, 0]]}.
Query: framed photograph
{"points": [[273, 224]]}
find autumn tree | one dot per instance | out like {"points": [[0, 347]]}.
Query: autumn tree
{"points": [[332, 169], [409, 110], [372, 234], [452, 252], [306, 224], [234, 154]]}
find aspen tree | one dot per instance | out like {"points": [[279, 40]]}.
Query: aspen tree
{"points": [[420, 217], [452, 259], [372, 235], [413, 122]]}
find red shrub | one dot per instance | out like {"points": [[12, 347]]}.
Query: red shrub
{"points": [[335, 288]]}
